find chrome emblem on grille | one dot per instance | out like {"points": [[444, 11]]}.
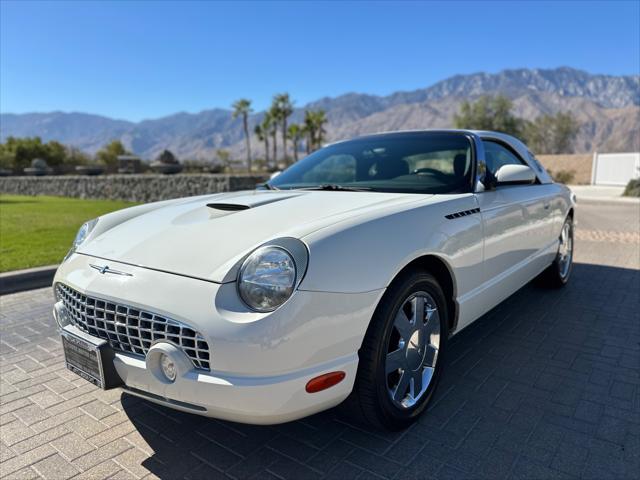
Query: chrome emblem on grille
{"points": [[105, 269]]}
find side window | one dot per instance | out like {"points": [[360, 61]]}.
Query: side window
{"points": [[497, 155]]}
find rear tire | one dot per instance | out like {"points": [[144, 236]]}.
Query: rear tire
{"points": [[558, 273], [401, 357]]}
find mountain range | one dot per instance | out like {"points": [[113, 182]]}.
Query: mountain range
{"points": [[607, 108]]}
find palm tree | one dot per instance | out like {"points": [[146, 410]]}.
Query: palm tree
{"points": [[320, 119], [314, 122], [261, 132], [309, 130], [295, 133], [243, 108], [285, 109], [307, 134], [274, 117]]}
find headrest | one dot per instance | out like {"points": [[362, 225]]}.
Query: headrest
{"points": [[460, 165]]}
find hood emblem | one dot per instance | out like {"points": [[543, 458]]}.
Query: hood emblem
{"points": [[105, 269]]}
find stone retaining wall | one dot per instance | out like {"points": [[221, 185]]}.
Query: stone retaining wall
{"points": [[135, 188]]}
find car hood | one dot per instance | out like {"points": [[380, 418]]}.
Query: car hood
{"points": [[205, 237]]}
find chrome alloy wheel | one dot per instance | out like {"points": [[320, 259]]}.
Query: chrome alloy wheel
{"points": [[565, 249], [412, 350]]}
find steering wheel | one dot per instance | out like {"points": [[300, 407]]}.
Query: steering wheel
{"points": [[432, 171]]}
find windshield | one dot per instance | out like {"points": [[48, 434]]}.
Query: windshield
{"points": [[413, 162]]}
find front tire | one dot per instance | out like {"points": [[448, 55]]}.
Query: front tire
{"points": [[402, 353]]}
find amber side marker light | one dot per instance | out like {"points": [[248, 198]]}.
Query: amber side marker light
{"points": [[324, 381]]}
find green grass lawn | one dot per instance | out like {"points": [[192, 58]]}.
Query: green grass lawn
{"points": [[36, 231]]}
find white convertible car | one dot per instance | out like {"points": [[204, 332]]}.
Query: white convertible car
{"points": [[340, 279]]}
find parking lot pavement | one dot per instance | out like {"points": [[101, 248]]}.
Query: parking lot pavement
{"points": [[544, 386], [608, 234]]}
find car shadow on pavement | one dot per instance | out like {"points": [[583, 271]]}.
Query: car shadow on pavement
{"points": [[544, 384]]}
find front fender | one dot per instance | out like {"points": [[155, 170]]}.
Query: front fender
{"points": [[367, 255]]}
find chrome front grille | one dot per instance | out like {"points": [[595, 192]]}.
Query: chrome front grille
{"points": [[130, 329]]}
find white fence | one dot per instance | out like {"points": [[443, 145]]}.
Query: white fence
{"points": [[615, 168]]}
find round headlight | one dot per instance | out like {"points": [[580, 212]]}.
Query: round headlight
{"points": [[84, 231], [267, 278], [81, 236]]}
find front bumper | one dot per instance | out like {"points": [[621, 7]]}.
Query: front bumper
{"points": [[260, 363]]}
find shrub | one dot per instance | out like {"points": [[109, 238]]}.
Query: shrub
{"points": [[39, 164], [633, 188], [563, 176], [6, 159], [108, 155], [195, 166], [167, 157]]}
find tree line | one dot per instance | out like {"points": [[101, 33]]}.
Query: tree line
{"points": [[274, 123], [18, 153], [546, 134]]}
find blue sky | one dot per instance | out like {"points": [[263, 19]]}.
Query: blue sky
{"points": [[137, 60]]}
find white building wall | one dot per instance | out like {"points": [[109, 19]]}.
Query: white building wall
{"points": [[615, 168]]}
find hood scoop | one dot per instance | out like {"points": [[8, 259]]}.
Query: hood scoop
{"points": [[245, 202], [228, 207]]}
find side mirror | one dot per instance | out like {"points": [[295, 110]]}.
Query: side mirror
{"points": [[515, 175]]}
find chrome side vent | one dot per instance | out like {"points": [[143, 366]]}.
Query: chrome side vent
{"points": [[463, 213], [228, 207]]}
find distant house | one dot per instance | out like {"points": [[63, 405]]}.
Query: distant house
{"points": [[129, 164]]}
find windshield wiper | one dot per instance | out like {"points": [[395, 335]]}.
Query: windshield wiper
{"points": [[336, 188], [268, 186]]}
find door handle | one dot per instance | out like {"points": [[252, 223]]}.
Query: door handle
{"points": [[546, 205]]}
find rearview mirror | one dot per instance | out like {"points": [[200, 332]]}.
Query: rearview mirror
{"points": [[515, 175]]}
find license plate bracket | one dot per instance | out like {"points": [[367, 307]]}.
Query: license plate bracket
{"points": [[91, 360]]}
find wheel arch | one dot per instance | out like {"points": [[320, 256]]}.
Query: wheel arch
{"points": [[442, 271]]}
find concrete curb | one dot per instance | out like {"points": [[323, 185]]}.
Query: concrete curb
{"points": [[29, 279], [594, 199], [601, 194]]}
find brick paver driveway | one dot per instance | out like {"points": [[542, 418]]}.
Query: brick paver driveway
{"points": [[545, 385]]}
